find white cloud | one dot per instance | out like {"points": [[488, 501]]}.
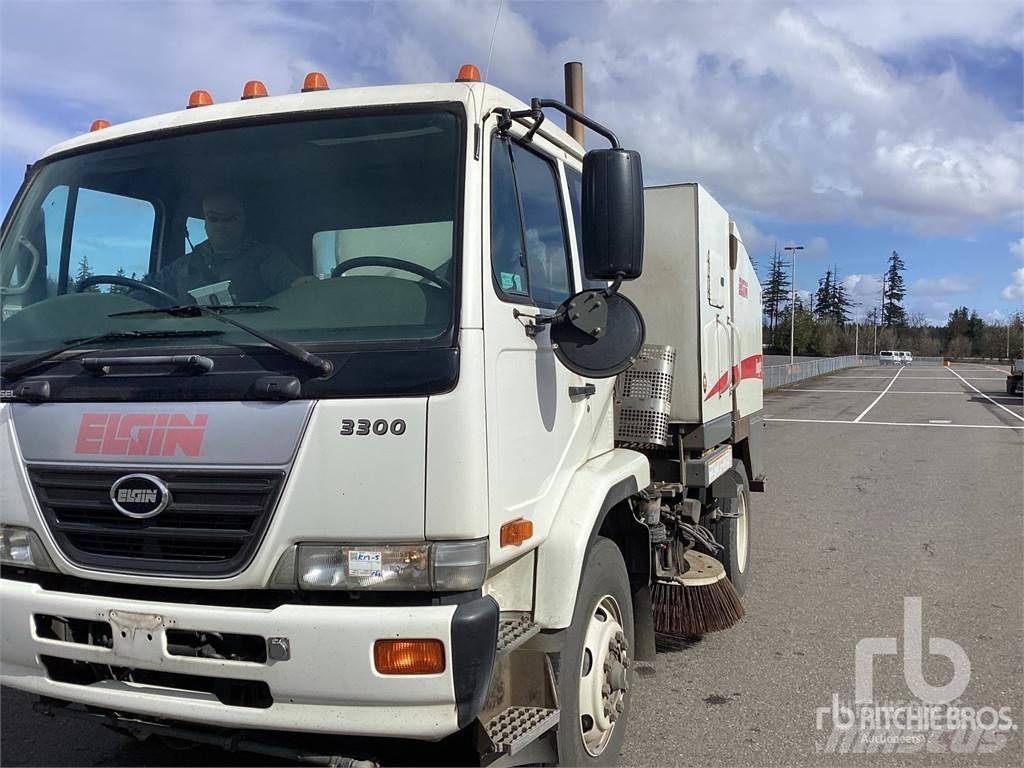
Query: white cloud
{"points": [[995, 316], [1015, 290], [1017, 247], [785, 112], [941, 286], [865, 290]]}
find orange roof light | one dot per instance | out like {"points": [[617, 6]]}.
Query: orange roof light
{"points": [[199, 98], [99, 125], [254, 89], [468, 73], [408, 657], [515, 532], [315, 81]]}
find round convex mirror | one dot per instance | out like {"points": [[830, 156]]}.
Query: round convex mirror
{"points": [[603, 346]]}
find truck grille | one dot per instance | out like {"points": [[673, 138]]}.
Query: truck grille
{"points": [[211, 526]]}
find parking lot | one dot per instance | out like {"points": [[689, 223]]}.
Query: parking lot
{"points": [[883, 484]]}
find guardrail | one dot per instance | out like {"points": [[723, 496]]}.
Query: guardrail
{"points": [[781, 375]]}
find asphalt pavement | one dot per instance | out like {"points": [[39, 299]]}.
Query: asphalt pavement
{"points": [[883, 484]]}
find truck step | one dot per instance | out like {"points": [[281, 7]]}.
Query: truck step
{"points": [[513, 632], [516, 727]]}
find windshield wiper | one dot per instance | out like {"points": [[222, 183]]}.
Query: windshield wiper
{"points": [[217, 312], [19, 369]]}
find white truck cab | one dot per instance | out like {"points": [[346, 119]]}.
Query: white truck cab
{"points": [[301, 431]]}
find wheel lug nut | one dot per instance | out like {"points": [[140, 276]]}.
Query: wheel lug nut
{"points": [[606, 689], [619, 706]]}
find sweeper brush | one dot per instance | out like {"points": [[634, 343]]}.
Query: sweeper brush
{"points": [[701, 600]]}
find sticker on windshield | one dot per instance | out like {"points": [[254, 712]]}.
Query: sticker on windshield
{"points": [[511, 281]]}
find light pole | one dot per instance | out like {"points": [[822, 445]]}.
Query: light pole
{"points": [[792, 306]]}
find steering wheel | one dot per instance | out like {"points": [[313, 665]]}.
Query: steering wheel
{"points": [[127, 282], [388, 261]]}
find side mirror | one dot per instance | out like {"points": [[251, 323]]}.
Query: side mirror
{"points": [[613, 214], [597, 333]]}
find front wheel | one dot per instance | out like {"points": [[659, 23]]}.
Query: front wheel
{"points": [[595, 667]]}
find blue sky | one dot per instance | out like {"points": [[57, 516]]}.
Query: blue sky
{"points": [[854, 128]]}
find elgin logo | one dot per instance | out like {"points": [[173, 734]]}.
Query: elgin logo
{"points": [[743, 288], [136, 496], [141, 434]]}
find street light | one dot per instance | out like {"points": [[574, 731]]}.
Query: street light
{"points": [[792, 306]]}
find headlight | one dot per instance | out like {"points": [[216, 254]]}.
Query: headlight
{"points": [[21, 548], [446, 566]]}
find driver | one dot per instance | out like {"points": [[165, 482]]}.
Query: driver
{"points": [[256, 270]]}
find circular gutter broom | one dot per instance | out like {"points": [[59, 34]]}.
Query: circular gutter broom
{"points": [[700, 601]]}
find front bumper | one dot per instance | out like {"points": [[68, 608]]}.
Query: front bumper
{"points": [[328, 685]]}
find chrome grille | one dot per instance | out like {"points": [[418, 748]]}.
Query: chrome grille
{"points": [[211, 526]]}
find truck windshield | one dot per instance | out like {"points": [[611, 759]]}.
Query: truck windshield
{"points": [[344, 225]]}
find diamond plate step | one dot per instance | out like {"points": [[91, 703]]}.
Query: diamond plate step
{"points": [[517, 727], [512, 633]]}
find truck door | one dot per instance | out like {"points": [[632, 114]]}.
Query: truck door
{"points": [[537, 433]]}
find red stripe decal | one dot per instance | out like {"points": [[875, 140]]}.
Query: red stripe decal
{"points": [[749, 368]]}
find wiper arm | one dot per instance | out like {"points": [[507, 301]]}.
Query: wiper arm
{"points": [[19, 369], [217, 312]]}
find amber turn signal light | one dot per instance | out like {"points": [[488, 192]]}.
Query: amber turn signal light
{"points": [[98, 125], [468, 73], [314, 81], [199, 98], [515, 532], [408, 657]]}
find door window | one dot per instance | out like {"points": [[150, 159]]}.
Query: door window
{"points": [[529, 252], [112, 235]]}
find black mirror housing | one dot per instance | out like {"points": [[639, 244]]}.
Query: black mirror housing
{"points": [[613, 214]]}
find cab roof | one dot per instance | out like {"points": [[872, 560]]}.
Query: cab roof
{"points": [[478, 98]]}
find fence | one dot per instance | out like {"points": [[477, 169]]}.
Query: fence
{"points": [[781, 375]]}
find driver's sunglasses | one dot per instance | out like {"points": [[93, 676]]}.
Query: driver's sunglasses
{"points": [[222, 218]]}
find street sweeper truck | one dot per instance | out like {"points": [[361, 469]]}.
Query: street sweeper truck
{"points": [[379, 412]]}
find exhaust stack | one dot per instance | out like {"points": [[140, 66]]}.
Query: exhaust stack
{"points": [[574, 97]]}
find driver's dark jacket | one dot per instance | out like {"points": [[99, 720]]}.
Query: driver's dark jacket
{"points": [[256, 271]]}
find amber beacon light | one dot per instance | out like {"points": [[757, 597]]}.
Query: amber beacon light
{"points": [[314, 81], [408, 657], [254, 89], [468, 73], [199, 98], [99, 125]]}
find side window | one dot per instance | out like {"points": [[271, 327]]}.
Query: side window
{"points": [[575, 179], [112, 235], [195, 233], [508, 261], [543, 226]]}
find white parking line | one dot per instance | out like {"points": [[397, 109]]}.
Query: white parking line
{"points": [[883, 378], [997, 405], [870, 391], [875, 401], [898, 424]]}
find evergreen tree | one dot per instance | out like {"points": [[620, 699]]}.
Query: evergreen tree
{"points": [[841, 301], [893, 313], [823, 306], [775, 293], [84, 272]]}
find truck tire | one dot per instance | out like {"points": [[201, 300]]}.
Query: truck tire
{"points": [[593, 670], [733, 533]]}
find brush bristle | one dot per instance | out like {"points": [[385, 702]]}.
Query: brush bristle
{"points": [[686, 611]]}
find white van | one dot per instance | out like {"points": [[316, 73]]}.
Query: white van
{"points": [[908, 359], [889, 357]]}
